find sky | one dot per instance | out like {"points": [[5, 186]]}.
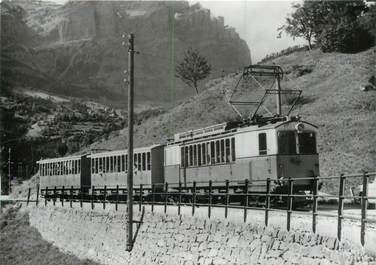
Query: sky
{"points": [[256, 21]]}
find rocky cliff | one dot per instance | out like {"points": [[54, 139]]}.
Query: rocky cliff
{"points": [[80, 47]]}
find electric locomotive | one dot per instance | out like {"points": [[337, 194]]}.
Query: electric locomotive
{"points": [[277, 150]]}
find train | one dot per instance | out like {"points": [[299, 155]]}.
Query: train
{"points": [[234, 152]]}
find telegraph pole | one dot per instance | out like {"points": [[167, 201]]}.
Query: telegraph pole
{"points": [[130, 140]]}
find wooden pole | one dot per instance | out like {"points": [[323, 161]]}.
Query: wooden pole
{"points": [[130, 141], [364, 208]]}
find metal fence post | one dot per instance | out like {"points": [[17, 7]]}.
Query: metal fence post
{"points": [[340, 206], [245, 199], [54, 199], [45, 196], [62, 196], [179, 201], [267, 201], [314, 204], [104, 196], [227, 198], [28, 196], [37, 201], [194, 198], [141, 194], [166, 197], [210, 198], [117, 198], [152, 197], [364, 203], [289, 203], [80, 196], [71, 196], [92, 197]]}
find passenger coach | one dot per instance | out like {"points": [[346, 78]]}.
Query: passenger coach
{"points": [[109, 168], [67, 172]]}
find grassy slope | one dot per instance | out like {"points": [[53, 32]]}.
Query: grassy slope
{"points": [[345, 115]]}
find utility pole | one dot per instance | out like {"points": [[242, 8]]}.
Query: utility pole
{"points": [[130, 141], [9, 174]]}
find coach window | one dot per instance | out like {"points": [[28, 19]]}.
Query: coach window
{"points": [[228, 153], [148, 160], [79, 167], [233, 149], [217, 152], [111, 165], [139, 161], [135, 163], [223, 155], [126, 162], [92, 166], [107, 164], [118, 168], [122, 163], [143, 161], [203, 146], [190, 155], [212, 153], [195, 155], [262, 143], [186, 156], [199, 154]]}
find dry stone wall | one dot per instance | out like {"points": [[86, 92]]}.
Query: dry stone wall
{"points": [[172, 239]]}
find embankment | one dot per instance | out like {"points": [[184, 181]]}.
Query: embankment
{"points": [[172, 239]]}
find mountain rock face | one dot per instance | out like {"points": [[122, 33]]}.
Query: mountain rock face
{"points": [[81, 52]]}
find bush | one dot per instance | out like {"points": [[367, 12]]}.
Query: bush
{"points": [[346, 37]]}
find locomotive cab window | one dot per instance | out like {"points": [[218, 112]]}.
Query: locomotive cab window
{"points": [[307, 143], [262, 144], [286, 143]]}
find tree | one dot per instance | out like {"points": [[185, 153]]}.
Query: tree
{"points": [[301, 23], [334, 25], [193, 68]]}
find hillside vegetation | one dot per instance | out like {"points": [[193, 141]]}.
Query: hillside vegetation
{"points": [[331, 99]]}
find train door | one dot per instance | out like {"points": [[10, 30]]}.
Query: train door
{"points": [[85, 173]]}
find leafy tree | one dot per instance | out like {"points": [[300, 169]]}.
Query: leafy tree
{"points": [[334, 25], [301, 23], [193, 68]]}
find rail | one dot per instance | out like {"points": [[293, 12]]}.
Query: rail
{"points": [[226, 194]]}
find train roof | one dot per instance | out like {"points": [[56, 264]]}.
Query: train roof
{"points": [[59, 159], [123, 151], [233, 127]]}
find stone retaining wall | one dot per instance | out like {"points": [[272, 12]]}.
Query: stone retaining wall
{"points": [[172, 239]]}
